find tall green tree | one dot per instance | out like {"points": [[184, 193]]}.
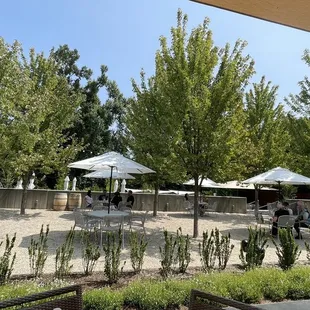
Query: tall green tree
{"points": [[201, 90], [267, 128], [299, 124], [36, 107], [145, 136]]}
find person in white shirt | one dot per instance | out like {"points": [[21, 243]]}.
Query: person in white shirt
{"points": [[88, 200]]}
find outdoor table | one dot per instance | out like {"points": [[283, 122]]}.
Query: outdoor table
{"points": [[104, 214]]}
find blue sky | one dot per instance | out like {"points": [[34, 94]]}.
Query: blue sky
{"points": [[124, 34]]}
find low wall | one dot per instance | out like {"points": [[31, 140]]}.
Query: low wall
{"points": [[43, 199]]}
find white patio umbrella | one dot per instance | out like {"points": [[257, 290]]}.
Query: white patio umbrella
{"points": [[205, 183], [278, 176], [105, 174], [111, 161]]}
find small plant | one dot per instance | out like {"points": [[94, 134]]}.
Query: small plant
{"points": [[307, 245], [207, 251], [223, 249], [112, 251], [254, 248], [38, 251], [6, 263], [183, 251], [64, 255], [167, 254], [90, 253], [137, 250], [287, 251]]}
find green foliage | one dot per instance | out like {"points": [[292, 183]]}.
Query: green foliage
{"points": [[90, 252], [103, 299], [299, 283], [255, 249], [215, 247], [112, 251], [167, 254], [137, 250], [288, 250], [64, 255], [7, 260], [38, 251], [183, 245]]}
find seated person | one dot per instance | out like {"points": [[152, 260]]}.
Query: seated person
{"points": [[286, 207], [281, 211], [88, 200], [116, 199], [303, 218], [104, 197], [130, 199]]}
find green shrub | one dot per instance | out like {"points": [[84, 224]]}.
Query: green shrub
{"points": [[137, 250], [167, 254], [273, 282], [245, 288], [183, 251], [90, 252], [254, 248], [207, 251], [38, 251], [64, 255], [6, 261], [299, 283], [223, 249], [112, 252], [180, 290], [307, 246], [103, 299], [287, 251]]}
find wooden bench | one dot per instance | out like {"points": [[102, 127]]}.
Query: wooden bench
{"points": [[71, 302], [206, 301]]}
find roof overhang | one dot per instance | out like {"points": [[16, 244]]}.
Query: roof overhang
{"points": [[292, 13]]}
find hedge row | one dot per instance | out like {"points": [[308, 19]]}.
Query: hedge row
{"points": [[249, 287]]}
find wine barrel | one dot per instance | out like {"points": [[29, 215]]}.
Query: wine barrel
{"points": [[60, 201], [74, 201]]}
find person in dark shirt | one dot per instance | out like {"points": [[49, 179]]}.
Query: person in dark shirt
{"points": [[282, 210], [130, 199], [116, 199]]}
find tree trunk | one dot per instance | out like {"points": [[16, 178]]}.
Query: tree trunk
{"points": [[256, 200], [25, 194], [196, 211], [155, 206]]}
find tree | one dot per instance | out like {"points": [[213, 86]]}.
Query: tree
{"points": [[36, 107], [299, 124], [266, 128], [144, 136], [201, 90]]}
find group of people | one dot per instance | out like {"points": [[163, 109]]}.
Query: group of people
{"points": [[117, 198], [302, 220]]}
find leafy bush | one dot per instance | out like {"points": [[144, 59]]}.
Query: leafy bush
{"points": [[103, 299], [183, 251], [287, 251], [90, 253], [299, 283], [223, 249], [273, 282], [137, 250], [207, 251], [112, 252], [167, 254], [254, 248], [64, 255], [38, 251], [307, 246], [6, 262]]}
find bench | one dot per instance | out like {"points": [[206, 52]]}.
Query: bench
{"points": [[71, 302]]}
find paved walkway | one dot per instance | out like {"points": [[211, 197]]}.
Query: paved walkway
{"points": [[289, 305]]}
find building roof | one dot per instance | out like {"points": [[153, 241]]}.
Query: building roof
{"points": [[292, 13]]}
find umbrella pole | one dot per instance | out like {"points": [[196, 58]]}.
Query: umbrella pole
{"points": [[109, 204]]}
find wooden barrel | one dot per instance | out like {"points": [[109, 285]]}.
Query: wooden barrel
{"points": [[74, 201], [60, 201]]}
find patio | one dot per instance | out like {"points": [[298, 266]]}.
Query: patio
{"points": [[60, 222]]}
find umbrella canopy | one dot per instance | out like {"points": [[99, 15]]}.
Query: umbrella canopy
{"points": [[205, 183], [106, 174], [113, 160], [278, 176]]}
